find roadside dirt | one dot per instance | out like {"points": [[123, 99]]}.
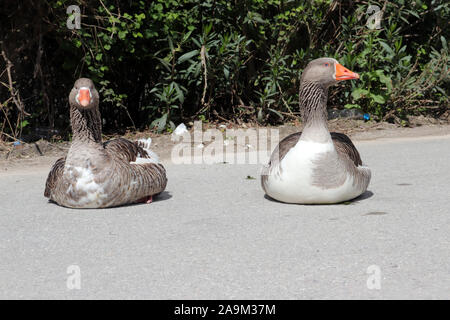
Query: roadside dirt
{"points": [[41, 155]]}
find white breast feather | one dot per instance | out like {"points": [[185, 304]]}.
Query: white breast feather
{"points": [[294, 183], [85, 183]]}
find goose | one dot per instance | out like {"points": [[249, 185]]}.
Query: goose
{"points": [[316, 166], [100, 175]]}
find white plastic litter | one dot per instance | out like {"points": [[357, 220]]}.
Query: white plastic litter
{"points": [[180, 130]]}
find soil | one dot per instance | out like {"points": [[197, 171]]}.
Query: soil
{"points": [[41, 155]]}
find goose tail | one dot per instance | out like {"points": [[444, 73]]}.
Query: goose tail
{"points": [[150, 156]]}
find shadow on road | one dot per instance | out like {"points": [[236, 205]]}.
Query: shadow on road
{"points": [[366, 195], [165, 195]]}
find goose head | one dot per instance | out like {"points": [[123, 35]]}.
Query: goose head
{"points": [[327, 72], [84, 96]]}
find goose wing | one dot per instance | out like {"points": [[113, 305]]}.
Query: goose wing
{"points": [[148, 174], [277, 155], [55, 174], [345, 146], [342, 143], [283, 148], [125, 149]]}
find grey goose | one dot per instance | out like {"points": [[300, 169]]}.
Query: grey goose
{"points": [[100, 175], [315, 166]]}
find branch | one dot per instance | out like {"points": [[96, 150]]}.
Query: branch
{"points": [[14, 94], [205, 72]]}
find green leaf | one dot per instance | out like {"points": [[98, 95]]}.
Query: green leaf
{"points": [[358, 93], [140, 17], [169, 40], [386, 47], [352, 106], [378, 98], [444, 43], [188, 56], [386, 81], [98, 57], [158, 124], [260, 115], [226, 72], [208, 28], [180, 95], [276, 112], [122, 34], [24, 123], [186, 36]]}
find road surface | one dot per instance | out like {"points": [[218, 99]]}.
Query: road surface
{"points": [[213, 235]]}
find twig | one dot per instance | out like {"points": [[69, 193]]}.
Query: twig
{"points": [[284, 101], [291, 114], [111, 15], [38, 149], [103, 5], [11, 137], [220, 117], [6, 116], [2, 128], [14, 94], [205, 72], [129, 116]]}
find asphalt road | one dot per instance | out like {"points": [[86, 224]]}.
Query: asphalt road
{"points": [[213, 235]]}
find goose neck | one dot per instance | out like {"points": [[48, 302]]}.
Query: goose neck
{"points": [[86, 125], [313, 108]]}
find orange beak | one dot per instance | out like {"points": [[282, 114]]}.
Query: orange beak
{"points": [[342, 73], [84, 97]]}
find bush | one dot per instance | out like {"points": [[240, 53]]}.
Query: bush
{"points": [[162, 62]]}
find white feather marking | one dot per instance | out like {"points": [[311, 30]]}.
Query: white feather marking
{"points": [[152, 157], [93, 193], [292, 181]]}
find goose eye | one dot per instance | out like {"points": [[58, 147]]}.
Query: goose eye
{"points": [[326, 64]]}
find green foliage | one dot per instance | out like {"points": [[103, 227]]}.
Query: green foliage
{"points": [[165, 61], [401, 70]]}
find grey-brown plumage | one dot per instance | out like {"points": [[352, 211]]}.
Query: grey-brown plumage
{"points": [[345, 147], [342, 143], [316, 166], [55, 173], [96, 174]]}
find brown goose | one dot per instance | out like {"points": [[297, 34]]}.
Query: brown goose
{"points": [[316, 166], [100, 175]]}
